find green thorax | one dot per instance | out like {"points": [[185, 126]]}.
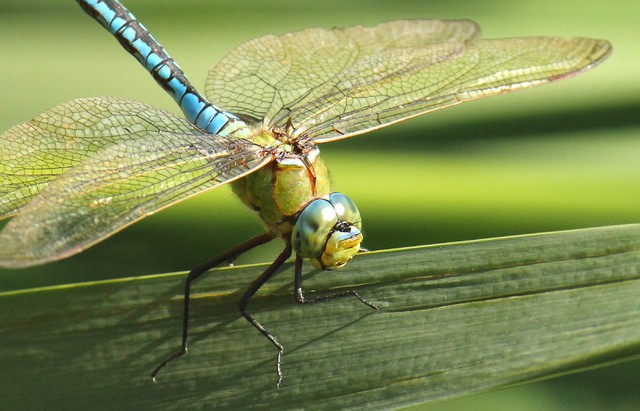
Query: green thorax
{"points": [[281, 189]]}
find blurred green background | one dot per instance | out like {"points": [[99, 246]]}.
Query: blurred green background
{"points": [[558, 157]]}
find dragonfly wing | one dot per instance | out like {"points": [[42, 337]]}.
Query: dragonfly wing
{"points": [[36, 152], [268, 77], [119, 185], [338, 83], [441, 76]]}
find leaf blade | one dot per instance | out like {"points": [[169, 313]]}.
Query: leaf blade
{"points": [[456, 319]]}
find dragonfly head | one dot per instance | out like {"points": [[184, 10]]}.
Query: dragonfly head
{"points": [[328, 232]]}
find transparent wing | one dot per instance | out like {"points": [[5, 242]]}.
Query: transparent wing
{"points": [[338, 83], [34, 153], [270, 75], [120, 184]]}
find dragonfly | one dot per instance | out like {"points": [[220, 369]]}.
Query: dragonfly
{"points": [[86, 169]]}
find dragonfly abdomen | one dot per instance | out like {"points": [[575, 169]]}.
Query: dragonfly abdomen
{"points": [[135, 38]]}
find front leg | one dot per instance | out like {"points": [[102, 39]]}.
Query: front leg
{"points": [[300, 298]]}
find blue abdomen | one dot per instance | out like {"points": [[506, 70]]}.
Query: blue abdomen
{"points": [[135, 38]]}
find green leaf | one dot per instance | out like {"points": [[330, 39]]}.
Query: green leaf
{"points": [[455, 319]]}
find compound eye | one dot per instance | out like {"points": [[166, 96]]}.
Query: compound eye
{"points": [[346, 209], [313, 227]]}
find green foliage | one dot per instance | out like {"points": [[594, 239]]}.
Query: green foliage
{"points": [[455, 319]]}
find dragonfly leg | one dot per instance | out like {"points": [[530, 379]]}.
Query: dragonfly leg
{"points": [[300, 298], [246, 297], [193, 275]]}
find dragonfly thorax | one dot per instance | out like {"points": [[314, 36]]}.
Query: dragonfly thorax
{"points": [[282, 188], [293, 197]]}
